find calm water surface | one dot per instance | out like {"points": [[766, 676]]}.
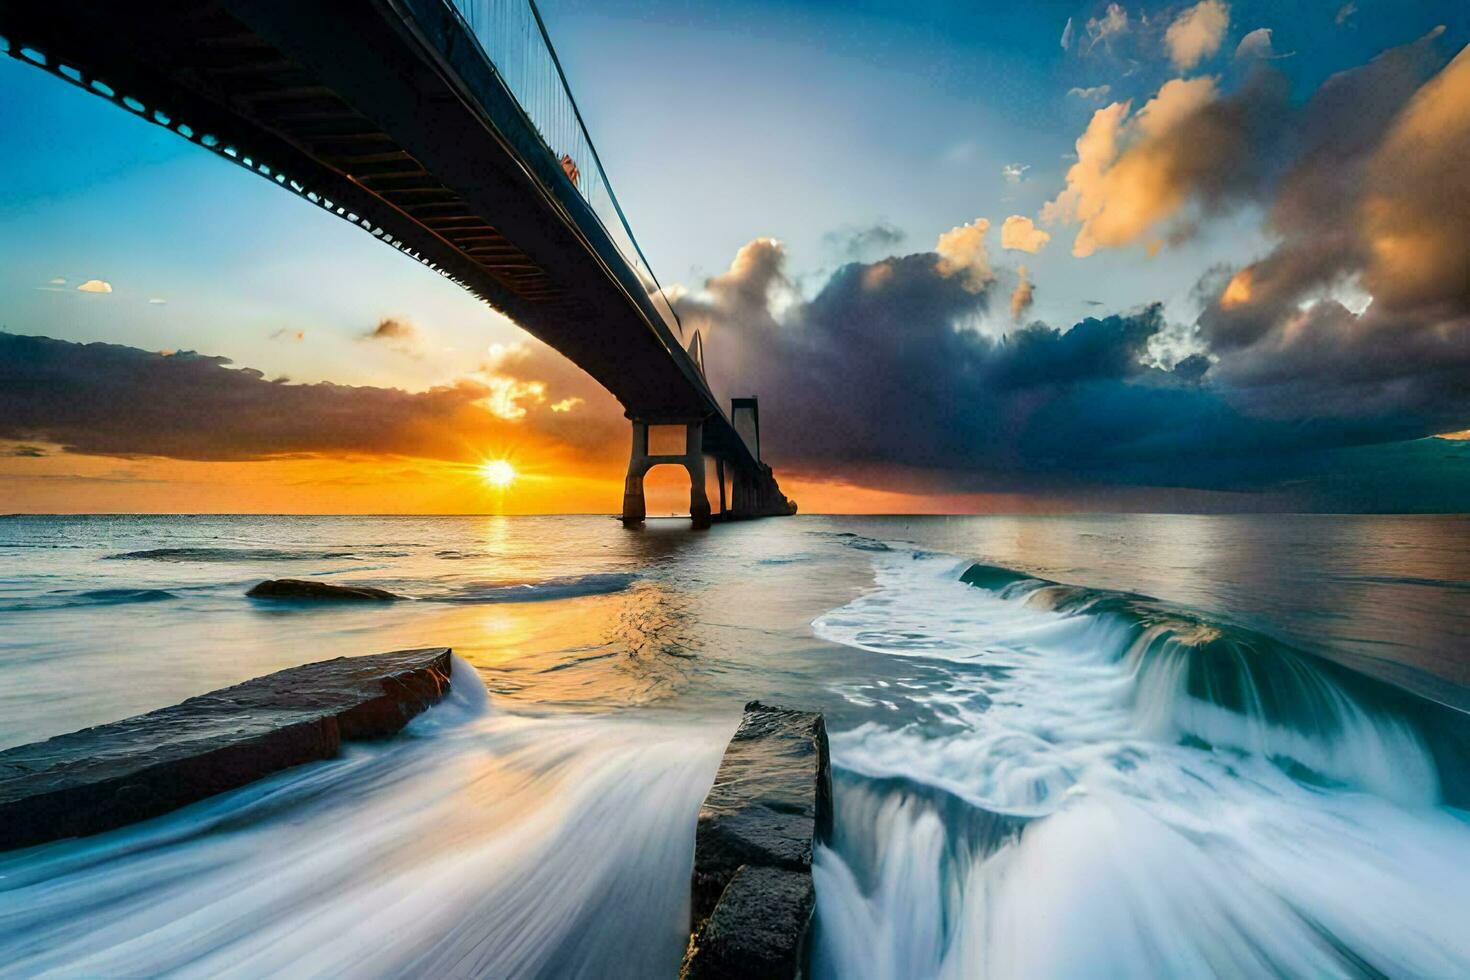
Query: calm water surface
{"points": [[1063, 746]]}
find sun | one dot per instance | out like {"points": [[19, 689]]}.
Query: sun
{"points": [[498, 473]]}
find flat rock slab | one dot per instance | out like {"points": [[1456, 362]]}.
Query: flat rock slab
{"points": [[300, 588], [752, 894], [112, 775]]}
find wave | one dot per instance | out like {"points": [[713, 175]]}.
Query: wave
{"points": [[235, 554], [567, 587], [65, 599], [477, 843], [1185, 796], [1214, 684]]}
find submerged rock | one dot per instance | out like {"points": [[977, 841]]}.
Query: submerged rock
{"points": [[752, 893], [111, 775], [298, 588]]}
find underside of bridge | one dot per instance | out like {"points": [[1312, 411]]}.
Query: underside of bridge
{"points": [[389, 114]]}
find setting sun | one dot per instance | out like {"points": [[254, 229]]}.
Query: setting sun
{"points": [[498, 473]]}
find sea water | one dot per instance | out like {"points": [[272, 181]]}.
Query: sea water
{"points": [[1081, 746]]}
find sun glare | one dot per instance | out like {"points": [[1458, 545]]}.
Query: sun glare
{"points": [[498, 473]]}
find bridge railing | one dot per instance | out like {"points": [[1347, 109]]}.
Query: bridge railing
{"points": [[514, 39]]}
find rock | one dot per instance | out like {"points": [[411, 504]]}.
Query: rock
{"points": [[296, 588], [752, 894], [111, 775], [757, 928]]}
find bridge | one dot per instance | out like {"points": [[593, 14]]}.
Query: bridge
{"points": [[446, 129]]}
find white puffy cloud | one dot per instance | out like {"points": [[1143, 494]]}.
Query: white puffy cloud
{"points": [[95, 286], [1091, 93], [1196, 33]]}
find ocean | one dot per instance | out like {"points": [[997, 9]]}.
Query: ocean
{"points": [[1062, 746]]}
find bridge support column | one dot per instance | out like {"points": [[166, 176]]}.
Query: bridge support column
{"points": [[634, 510], [641, 461], [694, 462]]}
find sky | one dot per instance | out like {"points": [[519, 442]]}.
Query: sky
{"points": [[972, 257]]}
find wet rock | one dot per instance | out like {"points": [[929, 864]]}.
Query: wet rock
{"points": [[297, 588], [752, 894], [111, 775], [758, 928]]}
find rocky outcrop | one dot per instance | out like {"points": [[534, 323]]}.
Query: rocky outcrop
{"points": [[105, 777], [297, 588], [752, 893]]}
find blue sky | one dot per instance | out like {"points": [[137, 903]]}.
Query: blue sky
{"points": [[721, 125]]}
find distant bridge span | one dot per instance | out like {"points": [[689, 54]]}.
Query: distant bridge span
{"points": [[446, 129]]}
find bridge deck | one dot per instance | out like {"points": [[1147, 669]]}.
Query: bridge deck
{"points": [[402, 125]]}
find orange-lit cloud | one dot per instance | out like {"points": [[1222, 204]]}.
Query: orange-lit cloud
{"points": [[962, 253], [1020, 234], [1023, 295], [1134, 170], [95, 286], [1417, 211]]}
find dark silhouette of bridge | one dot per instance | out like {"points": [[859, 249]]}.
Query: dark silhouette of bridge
{"points": [[446, 129]]}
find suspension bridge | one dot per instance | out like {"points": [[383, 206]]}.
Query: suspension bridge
{"points": [[447, 130]]}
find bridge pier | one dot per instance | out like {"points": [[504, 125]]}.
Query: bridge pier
{"points": [[640, 461]]}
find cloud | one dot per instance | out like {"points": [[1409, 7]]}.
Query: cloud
{"points": [[566, 404], [1014, 173], [95, 286], [1093, 93], [1256, 44], [1103, 30], [400, 335], [1196, 33], [1023, 295], [25, 452], [157, 302], [879, 238], [1345, 13], [1362, 308], [962, 253], [58, 281], [286, 333], [1137, 172], [864, 384], [1067, 36], [112, 400], [1019, 234]]}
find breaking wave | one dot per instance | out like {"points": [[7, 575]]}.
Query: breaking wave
{"points": [[1156, 792]]}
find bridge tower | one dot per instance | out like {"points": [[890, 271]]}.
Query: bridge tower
{"points": [[641, 461]]}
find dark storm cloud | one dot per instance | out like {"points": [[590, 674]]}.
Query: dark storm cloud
{"points": [[26, 452], [108, 399], [884, 366]]}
